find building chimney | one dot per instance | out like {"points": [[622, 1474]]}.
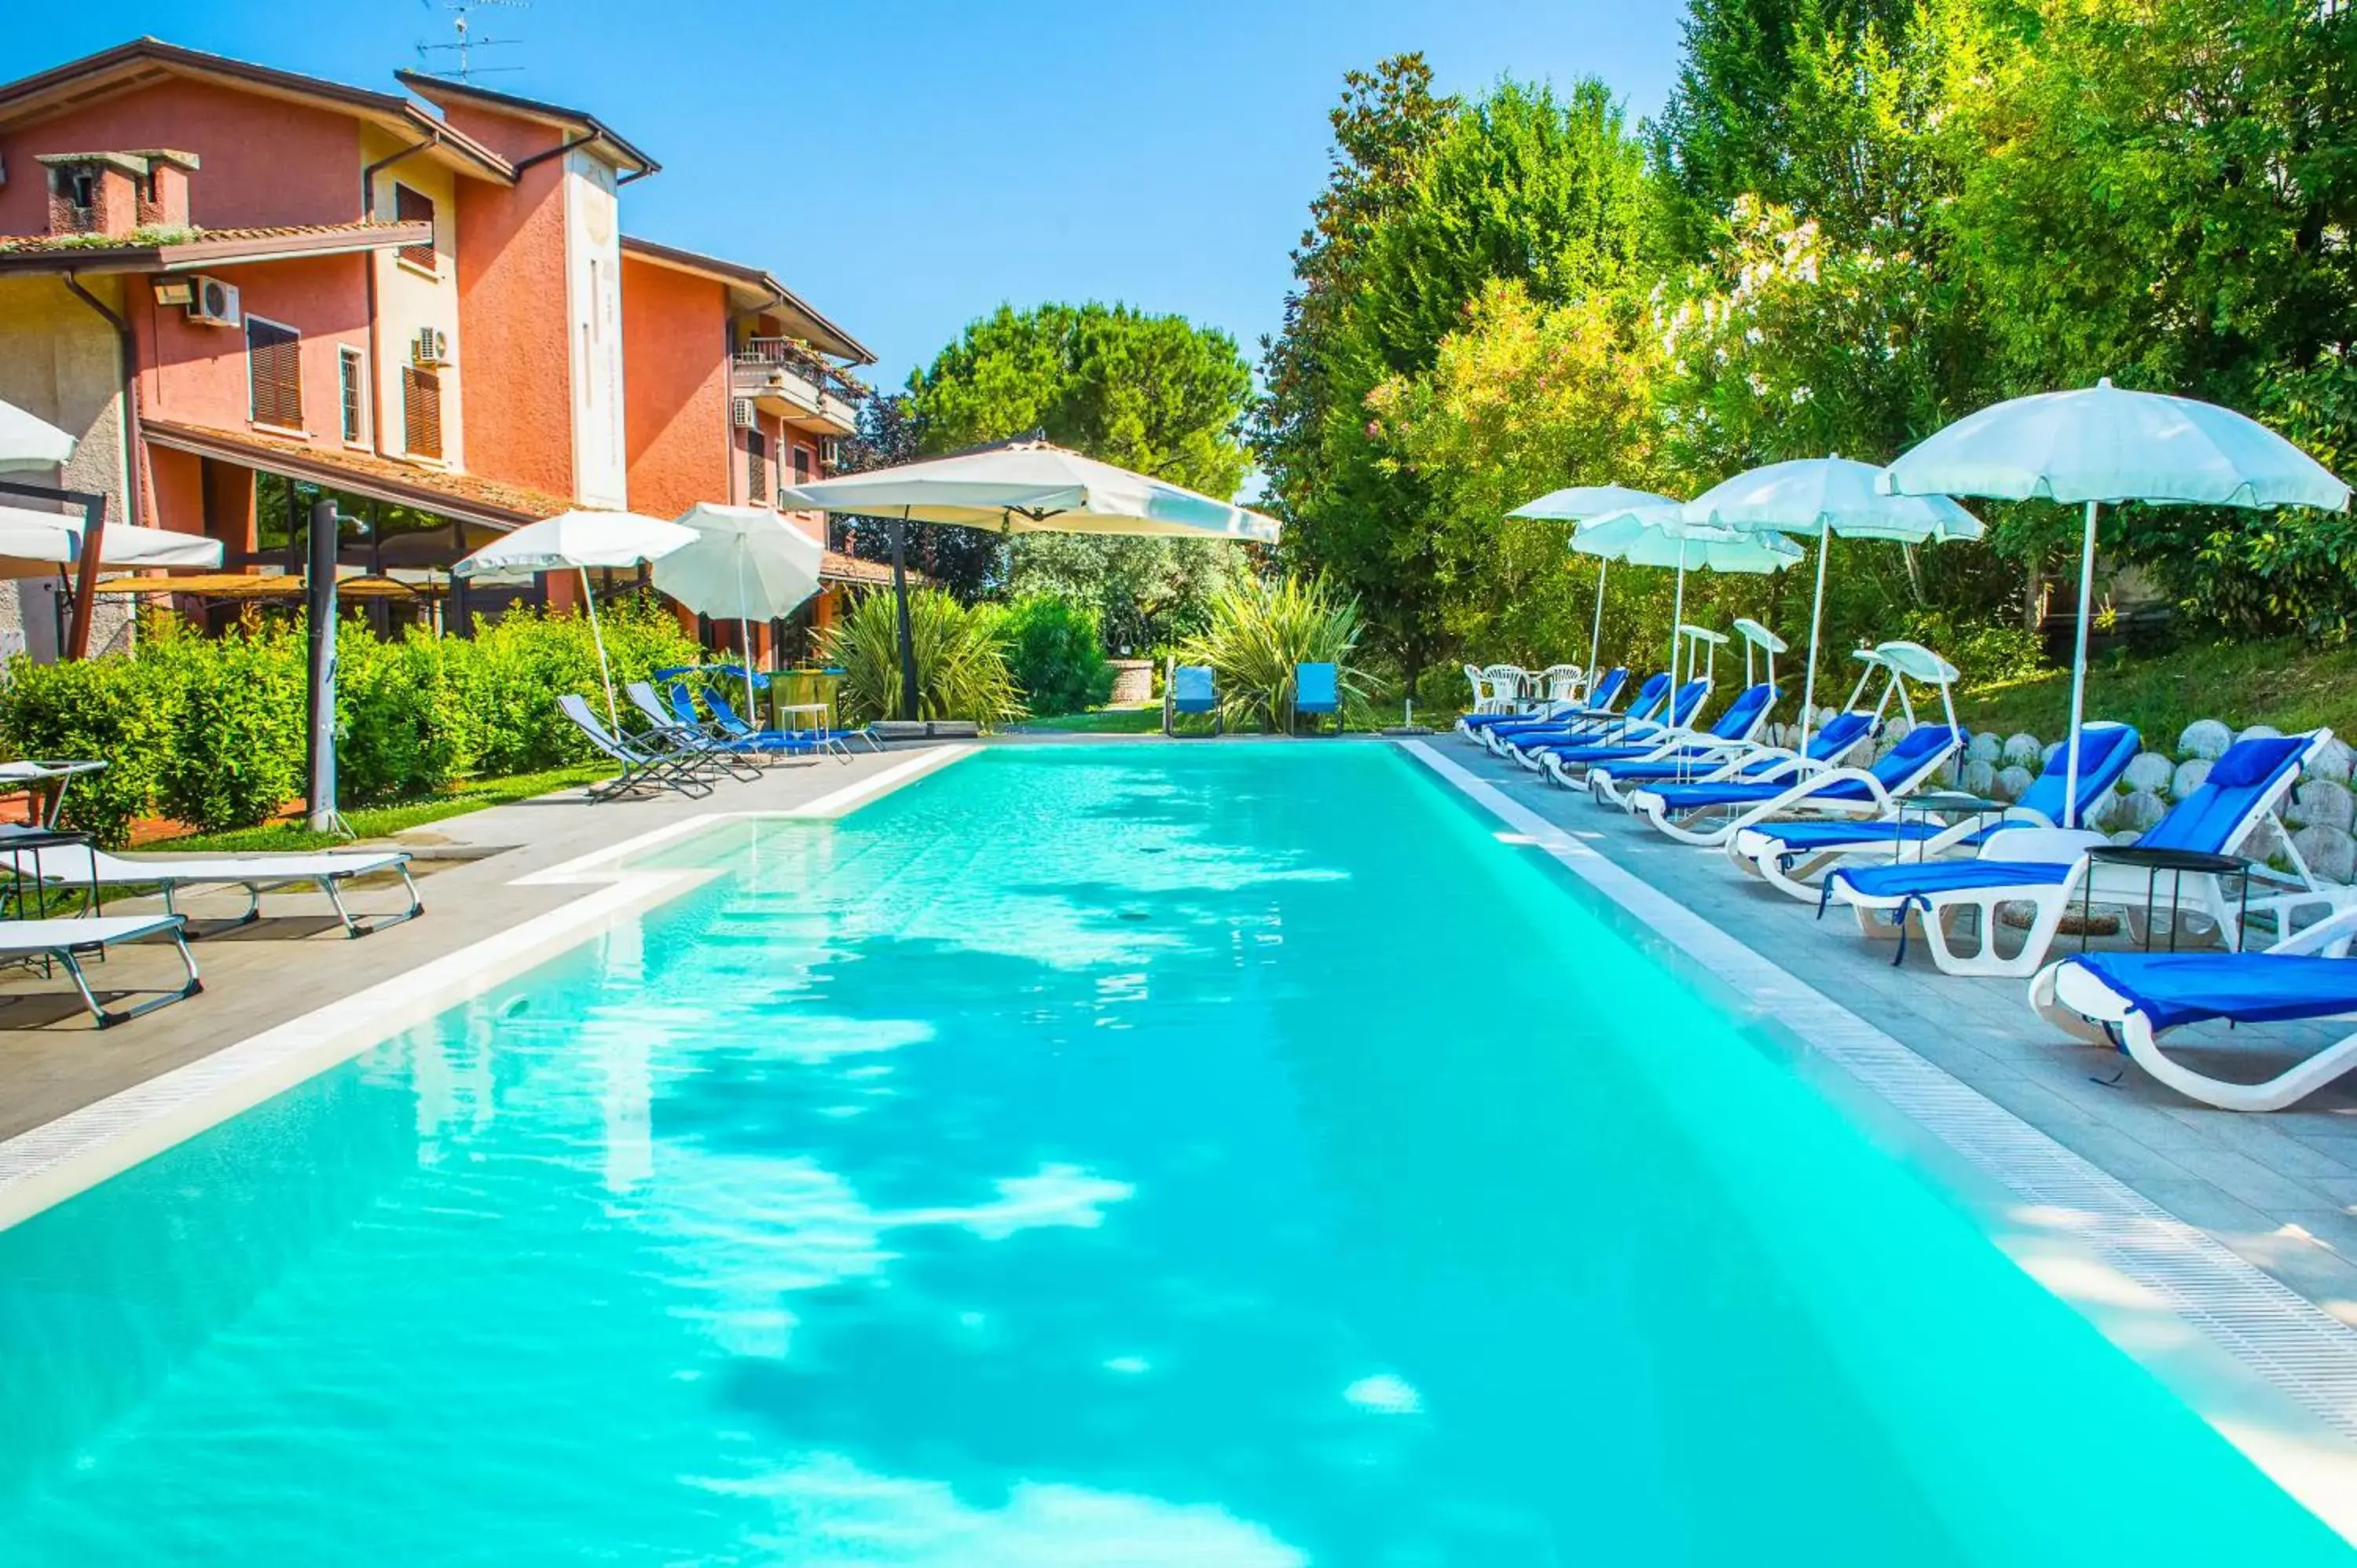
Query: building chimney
{"points": [[94, 193], [163, 200]]}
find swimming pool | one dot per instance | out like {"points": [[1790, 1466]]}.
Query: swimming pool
{"points": [[1084, 1155]]}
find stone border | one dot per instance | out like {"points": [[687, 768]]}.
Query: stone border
{"points": [[2270, 1332], [48, 1164]]}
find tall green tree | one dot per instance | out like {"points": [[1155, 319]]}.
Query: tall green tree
{"points": [[1154, 393]]}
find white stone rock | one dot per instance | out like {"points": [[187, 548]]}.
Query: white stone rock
{"points": [[2020, 750], [1897, 730], [2330, 852], [2012, 783], [1984, 748], [2265, 842], [2258, 732], [1978, 776], [2103, 812], [2125, 835], [2136, 811], [2051, 758], [2332, 761], [2321, 802], [2205, 739], [2189, 775], [2150, 771]]}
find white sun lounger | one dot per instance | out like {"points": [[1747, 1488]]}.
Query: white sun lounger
{"points": [[62, 941], [72, 865]]}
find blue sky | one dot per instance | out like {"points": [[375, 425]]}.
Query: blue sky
{"points": [[908, 166]]}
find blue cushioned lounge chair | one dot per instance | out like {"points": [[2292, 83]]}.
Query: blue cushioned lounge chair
{"points": [[1600, 699], [1618, 783], [1672, 717], [1730, 735], [1645, 707], [2129, 1000], [1192, 690], [1317, 693], [1793, 855], [2048, 868]]}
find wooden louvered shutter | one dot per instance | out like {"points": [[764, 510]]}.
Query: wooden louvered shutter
{"points": [[415, 207], [274, 365], [756, 469], [421, 412]]}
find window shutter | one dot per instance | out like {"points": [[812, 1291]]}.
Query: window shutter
{"points": [[757, 466], [274, 366], [421, 412], [354, 389], [415, 207]]}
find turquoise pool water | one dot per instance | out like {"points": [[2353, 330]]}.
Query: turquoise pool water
{"points": [[1085, 1156]]}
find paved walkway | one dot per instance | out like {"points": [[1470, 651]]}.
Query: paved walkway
{"points": [[2279, 1189], [296, 960]]}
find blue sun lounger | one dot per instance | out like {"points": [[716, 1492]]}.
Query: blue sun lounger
{"points": [[1599, 701], [1667, 720], [2048, 868], [1730, 735], [1511, 729], [2129, 999], [1794, 857], [1741, 770]]}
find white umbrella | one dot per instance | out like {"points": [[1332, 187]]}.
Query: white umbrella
{"points": [[1580, 503], [2102, 444], [747, 562], [1826, 496], [1664, 536], [1023, 486], [29, 443], [35, 543], [578, 541]]}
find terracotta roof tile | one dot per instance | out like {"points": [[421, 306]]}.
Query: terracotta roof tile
{"points": [[478, 500]]}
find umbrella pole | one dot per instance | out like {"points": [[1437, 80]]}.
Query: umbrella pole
{"points": [[900, 600], [744, 635], [2079, 673], [1595, 632], [604, 667], [1817, 616], [1677, 615]]}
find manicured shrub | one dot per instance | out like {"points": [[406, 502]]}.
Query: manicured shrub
{"points": [[236, 755], [117, 709], [1056, 653], [400, 728], [961, 670], [1260, 631]]}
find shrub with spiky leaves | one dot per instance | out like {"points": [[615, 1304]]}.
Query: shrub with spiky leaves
{"points": [[1261, 629], [961, 658]]}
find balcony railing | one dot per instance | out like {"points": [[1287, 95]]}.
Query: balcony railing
{"points": [[793, 355]]}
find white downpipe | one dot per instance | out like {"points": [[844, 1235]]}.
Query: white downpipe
{"points": [[605, 667], [1817, 617], [2079, 673]]}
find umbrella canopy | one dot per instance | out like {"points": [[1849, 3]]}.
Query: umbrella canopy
{"points": [[35, 543], [1825, 496], [1578, 503], [29, 443], [747, 564], [2103, 445], [1026, 487], [1664, 536], [578, 541]]}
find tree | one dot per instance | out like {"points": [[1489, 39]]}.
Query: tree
{"points": [[1428, 200], [1154, 393], [965, 562]]}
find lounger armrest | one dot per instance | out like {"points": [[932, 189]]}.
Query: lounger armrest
{"points": [[2333, 931], [2061, 846]]}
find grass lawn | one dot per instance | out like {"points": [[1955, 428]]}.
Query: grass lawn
{"points": [[2283, 683], [1101, 721], [375, 822]]}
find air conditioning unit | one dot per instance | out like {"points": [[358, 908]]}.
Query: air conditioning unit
{"points": [[430, 346], [740, 414], [212, 303]]}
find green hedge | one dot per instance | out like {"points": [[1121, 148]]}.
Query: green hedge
{"points": [[210, 731]]}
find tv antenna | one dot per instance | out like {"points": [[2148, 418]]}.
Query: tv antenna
{"points": [[466, 43]]}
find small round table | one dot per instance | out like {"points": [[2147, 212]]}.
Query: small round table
{"points": [[1955, 802], [2153, 863]]}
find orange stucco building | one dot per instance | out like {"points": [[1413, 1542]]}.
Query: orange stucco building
{"points": [[240, 286]]}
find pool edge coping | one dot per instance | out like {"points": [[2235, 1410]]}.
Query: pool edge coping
{"points": [[45, 1166], [2272, 1334]]}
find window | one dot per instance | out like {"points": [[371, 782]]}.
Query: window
{"points": [[421, 412], [274, 373], [757, 466], [801, 465], [415, 207], [351, 374]]}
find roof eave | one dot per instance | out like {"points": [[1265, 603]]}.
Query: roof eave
{"points": [[102, 261]]}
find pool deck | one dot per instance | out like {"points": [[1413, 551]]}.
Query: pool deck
{"points": [[2279, 1190]]}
